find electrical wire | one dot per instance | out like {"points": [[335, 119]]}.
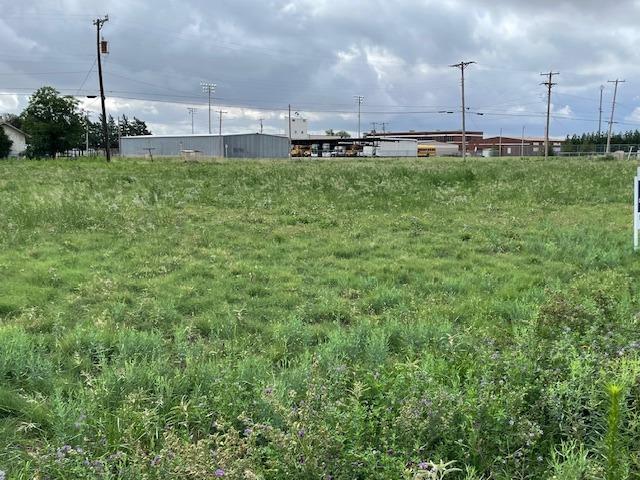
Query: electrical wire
{"points": [[95, 60]]}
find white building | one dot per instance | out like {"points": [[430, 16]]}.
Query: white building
{"points": [[392, 147], [18, 137], [299, 128]]}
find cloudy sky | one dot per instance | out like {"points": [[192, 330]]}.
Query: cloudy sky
{"points": [[317, 54]]}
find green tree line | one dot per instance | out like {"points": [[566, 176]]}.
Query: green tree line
{"points": [[55, 124], [589, 142]]}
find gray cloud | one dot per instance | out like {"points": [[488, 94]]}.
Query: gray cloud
{"points": [[317, 54]]}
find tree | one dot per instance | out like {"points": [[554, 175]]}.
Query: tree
{"points": [[339, 133], [13, 120], [53, 123], [128, 128], [5, 144]]}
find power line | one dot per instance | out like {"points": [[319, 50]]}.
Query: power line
{"points": [[87, 76]]}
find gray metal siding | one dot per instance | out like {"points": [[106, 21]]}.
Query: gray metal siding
{"points": [[237, 146]]}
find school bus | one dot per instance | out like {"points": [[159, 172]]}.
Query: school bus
{"points": [[425, 150]]}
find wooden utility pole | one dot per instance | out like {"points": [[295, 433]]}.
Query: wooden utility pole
{"points": [[600, 112], [261, 124], [289, 129], [99, 22], [359, 99], [220, 112], [549, 83], [192, 111], [613, 109], [462, 66]]}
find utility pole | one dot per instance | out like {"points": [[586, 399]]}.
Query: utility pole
{"points": [[522, 144], [289, 130], [261, 125], [613, 109], [384, 127], [500, 144], [99, 22], [119, 137], [220, 112], [86, 131], [373, 124], [208, 88], [222, 146], [192, 111], [462, 66], [359, 99], [549, 83], [600, 112]]}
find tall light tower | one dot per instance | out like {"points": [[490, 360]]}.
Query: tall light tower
{"points": [[208, 88], [359, 99]]}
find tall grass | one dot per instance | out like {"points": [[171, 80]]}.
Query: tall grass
{"points": [[318, 319]]}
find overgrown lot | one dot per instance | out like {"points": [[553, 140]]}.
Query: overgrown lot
{"points": [[318, 319]]}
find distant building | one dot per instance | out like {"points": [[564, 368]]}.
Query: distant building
{"points": [[441, 136], [512, 146], [392, 147], [18, 137], [253, 145]]}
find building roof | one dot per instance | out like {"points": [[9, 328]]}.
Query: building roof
{"points": [[430, 133], [5, 124], [198, 135]]}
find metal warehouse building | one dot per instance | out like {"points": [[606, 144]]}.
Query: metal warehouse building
{"points": [[252, 145]]}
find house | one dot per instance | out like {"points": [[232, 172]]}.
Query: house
{"points": [[17, 136]]}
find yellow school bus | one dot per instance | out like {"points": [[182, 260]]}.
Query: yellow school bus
{"points": [[426, 150]]}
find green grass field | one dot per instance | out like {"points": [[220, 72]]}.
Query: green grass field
{"points": [[347, 319]]}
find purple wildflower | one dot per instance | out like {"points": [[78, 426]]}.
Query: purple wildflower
{"points": [[156, 461], [219, 472], [268, 391], [423, 466], [248, 431], [301, 433]]}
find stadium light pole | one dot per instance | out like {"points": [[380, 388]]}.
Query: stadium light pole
{"points": [[208, 88]]}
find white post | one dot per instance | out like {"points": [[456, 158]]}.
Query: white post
{"points": [[636, 209]]}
